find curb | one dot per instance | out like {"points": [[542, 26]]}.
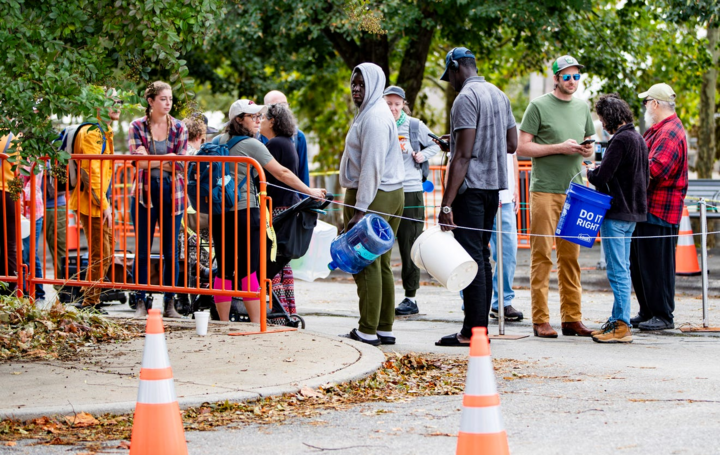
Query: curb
{"points": [[369, 360]]}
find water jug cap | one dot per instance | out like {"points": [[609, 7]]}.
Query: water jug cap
{"points": [[332, 265]]}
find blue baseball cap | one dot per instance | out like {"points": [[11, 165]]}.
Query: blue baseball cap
{"points": [[455, 54]]}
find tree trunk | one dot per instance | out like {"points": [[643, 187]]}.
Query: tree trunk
{"points": [[450, 96], [412, 69], [706, 135]]}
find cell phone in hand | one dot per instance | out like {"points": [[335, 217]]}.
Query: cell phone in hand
{"points": [[437, 138], [587, 141], [588, 163]]}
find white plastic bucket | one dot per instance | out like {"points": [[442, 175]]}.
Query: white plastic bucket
{"points": [[444, 258], [314, 264]]}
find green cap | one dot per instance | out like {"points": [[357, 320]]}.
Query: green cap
{"points": [[564, 62], [660, 92]]}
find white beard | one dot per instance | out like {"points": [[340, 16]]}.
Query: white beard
{"points": [[649, 120]]}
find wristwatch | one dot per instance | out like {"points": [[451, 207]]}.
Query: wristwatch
{"points": [[446, 209]]}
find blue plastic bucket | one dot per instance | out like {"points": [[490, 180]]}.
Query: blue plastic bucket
{"points": [[582, 215]]}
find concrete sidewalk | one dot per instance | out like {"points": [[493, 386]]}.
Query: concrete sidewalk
{"points": [[212, 368]]}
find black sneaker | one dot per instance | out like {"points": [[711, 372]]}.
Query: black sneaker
{"points": [[655, 324], [406, 307], [639, 318], [354, 336], [511, 314]]}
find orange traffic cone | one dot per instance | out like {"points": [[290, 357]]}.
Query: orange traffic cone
{"points": [[157, 426], [686, 260], [482, 430]]}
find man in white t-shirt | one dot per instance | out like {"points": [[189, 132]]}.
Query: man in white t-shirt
{"points": [[509, 205]]}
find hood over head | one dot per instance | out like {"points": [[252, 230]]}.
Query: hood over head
{"points": [[374, 86]]}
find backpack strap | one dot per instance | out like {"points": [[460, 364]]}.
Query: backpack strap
{"points": [[234, 141], [414, 134]]}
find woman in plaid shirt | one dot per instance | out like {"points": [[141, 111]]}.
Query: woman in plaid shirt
{"points": [[158, 134]]}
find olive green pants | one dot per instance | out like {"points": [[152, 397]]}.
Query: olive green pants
{"points": [[375, 283]]}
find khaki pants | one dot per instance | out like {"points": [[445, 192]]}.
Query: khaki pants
{"points": [[100, 240], [545, 210], [55, 232]]}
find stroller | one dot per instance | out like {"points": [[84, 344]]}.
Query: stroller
{"points": [[293, 229]]}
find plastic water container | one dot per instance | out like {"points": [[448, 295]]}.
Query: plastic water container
{"points": [[582, 215], [361, 245], [314, 264]]}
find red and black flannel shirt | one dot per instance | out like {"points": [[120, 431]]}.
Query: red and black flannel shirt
{"points": [[668, 169]]}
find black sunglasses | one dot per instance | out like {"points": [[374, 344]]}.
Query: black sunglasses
{"points": [[647, 100]]}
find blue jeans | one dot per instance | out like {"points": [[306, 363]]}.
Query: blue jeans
{"points": [[509, 257], [39, 291], [170, 229], [617, 256]]}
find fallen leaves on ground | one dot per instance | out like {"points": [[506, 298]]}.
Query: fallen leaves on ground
{"points": [[28, 333], [401, 378]]}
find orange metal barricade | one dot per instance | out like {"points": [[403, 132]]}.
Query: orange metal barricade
{"points": [[123, 194], [7, 206]]}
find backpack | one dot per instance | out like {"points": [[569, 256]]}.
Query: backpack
{"points": [[211, 193], [415, 144], [67, 143]]}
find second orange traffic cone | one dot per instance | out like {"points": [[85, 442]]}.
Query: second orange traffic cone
{"points": [[157, 425], [482, 430], [686, 260]]}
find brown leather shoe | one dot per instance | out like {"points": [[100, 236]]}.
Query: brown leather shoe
{"points": [[544, 330], [576, 328]]}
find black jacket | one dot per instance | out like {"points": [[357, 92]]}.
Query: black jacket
{"points": [[624, 175]]}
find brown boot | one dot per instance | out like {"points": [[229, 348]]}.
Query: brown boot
{"points": [[575, 328], [170, 311], [544, 330], [602, 329], [140, 309], [615, 332]]}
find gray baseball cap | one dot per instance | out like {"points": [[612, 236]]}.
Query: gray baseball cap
{"points": [[394, 90], [564, 62]]}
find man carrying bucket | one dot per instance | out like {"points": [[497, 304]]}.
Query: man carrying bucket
{"points": [[652, 256], [553, 131], [482, 133]]}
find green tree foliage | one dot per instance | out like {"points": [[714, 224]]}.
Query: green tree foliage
{"points": [[276, 44], [57, 55]]}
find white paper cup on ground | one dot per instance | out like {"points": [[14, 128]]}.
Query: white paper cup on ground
{"points": [[202, 318]]}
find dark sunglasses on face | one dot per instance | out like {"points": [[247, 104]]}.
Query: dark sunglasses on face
{"points": [[647, 100], [566, 77]]}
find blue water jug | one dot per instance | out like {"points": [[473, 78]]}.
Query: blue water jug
{"points": [[354, 250]]}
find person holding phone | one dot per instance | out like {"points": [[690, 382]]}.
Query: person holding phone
{"points": [[417, 148], [554, 133]]}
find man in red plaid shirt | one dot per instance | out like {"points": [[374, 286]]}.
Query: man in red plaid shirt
{"points": [[652, 259]]}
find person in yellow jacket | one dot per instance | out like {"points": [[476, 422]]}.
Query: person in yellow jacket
{"points": [[8, 243], [89, 200]]}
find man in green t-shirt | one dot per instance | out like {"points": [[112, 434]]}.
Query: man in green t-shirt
{"points": [[552, 130]]}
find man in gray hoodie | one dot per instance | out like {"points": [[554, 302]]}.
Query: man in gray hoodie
{"points": [[372, 171]]}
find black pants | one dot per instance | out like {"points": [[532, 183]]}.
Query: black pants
{"points": [[8, 256], [228, 263], [407, 233], [476, 209], [652, 269]]}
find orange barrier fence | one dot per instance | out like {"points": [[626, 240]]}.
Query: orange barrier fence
{"points": [[124, 198], [11, 272]]}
